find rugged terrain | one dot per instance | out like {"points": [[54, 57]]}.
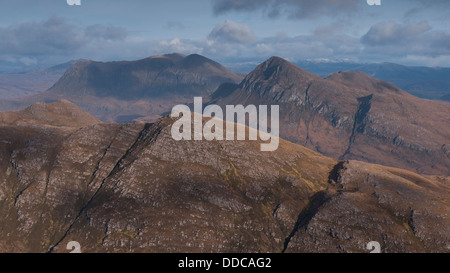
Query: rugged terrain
{"points": [[349, 115], [132, 188], [131, 90]]}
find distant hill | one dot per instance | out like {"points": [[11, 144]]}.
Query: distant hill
{"points": [[31, 83], [157, 76], [62, 113], [424, 82]]}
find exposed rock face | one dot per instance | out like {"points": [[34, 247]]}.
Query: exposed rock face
{"points": [[130, 90], [349, 115], [132, 188]]}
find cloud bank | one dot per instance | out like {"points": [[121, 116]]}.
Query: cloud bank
{"points": [[56, 40], [297, 9], [407, 39]]}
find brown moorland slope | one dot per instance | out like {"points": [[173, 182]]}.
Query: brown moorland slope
{"points": [[61, 113], [132, 188]]}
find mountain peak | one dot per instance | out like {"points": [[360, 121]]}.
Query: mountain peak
{"points": [[276, 77], [279, 67], [276, 59], [196, 60]]}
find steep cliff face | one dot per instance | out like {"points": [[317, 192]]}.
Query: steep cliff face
{"points": [[132, 188], [349, 115]]}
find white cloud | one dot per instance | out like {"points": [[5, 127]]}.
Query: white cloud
{"points": [[178, 46], [231, 32], [56, 41], [50, 36], [412, 41], [393, 33]]}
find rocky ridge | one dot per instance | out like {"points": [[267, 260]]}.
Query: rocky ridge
{"points": [[132, 188]]}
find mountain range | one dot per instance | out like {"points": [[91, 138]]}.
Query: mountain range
{"points": [[133, 188], [126, 91], [424, 82], [349, 115], [359, 160]]}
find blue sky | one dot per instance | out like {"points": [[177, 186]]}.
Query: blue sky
{"points": [[47, 32]]}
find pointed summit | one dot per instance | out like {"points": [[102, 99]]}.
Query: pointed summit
{"points": [[279, 79], [276, 67]]}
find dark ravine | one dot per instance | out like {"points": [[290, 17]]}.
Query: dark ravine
{"points": [[117, 167], [359, 121], [317, 201]]}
